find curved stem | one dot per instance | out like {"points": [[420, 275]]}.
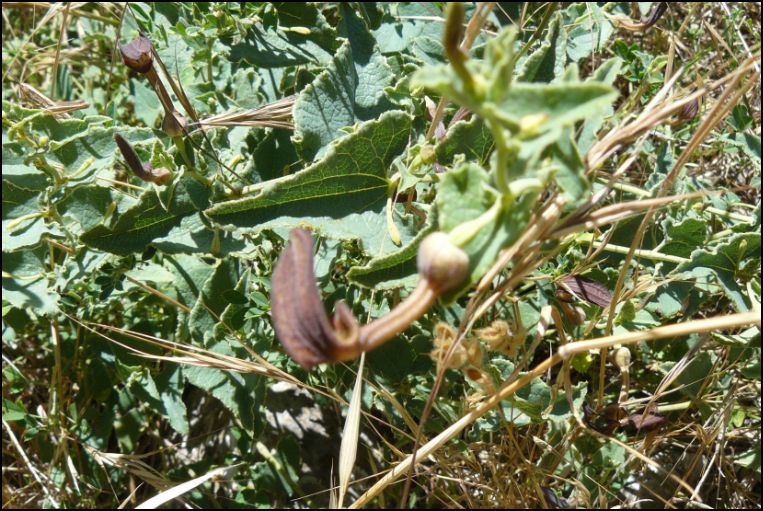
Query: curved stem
{"points": [[398, 319]]}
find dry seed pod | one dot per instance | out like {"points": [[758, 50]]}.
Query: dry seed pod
{"points": [[137, 54], [497, 335], [473, 351], [443, 340], [441, 263]]}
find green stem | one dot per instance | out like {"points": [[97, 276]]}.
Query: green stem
{"points": [[642, 254], [502, 154], [464, 233]]}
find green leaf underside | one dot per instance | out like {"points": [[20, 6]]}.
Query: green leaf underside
{"points": [[353, 170], [564, 103]]}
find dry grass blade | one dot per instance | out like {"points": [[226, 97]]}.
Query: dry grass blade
{"points": [[657, 111], [730, 97], [664, 332], [42, 480], [620, 211], [189, 355], [349, 447], [180, 489], [132, 464], [277, 114], [36, 99]]}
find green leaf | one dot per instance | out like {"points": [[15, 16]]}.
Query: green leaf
{"points": [[306, 15], [25, 280], [590, 30], [406, 29], [750, 144], [341, 196], [692, 378], [570, 170], [736, 257], [470, 138], [190, 273], [211, 301], [233, 390], [547, 62], [148, 219], [396, 269], [528, 403], [556, 105], [607, 72], [351, 89], [684, 235], [13, 410], [170, 383], [193, 234], [22, 194], [86, 206], [268, 47], [464, 196], [750, 459]]}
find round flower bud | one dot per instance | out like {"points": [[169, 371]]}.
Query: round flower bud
{"points": [[622, 358], [441, 262]]}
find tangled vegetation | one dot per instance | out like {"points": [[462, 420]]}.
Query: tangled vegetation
{"points": [[381, 254]]}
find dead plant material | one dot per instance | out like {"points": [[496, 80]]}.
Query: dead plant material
{"points": [[277, 114], [658, 9], [585, 289], [139, 55], [36, 99]]}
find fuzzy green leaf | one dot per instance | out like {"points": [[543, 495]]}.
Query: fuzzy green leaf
{"points": [[341, 196], [351, 89]]}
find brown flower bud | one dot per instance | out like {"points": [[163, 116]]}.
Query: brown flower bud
{"points": [[137, 54], [143, 171], [441, 263]]}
